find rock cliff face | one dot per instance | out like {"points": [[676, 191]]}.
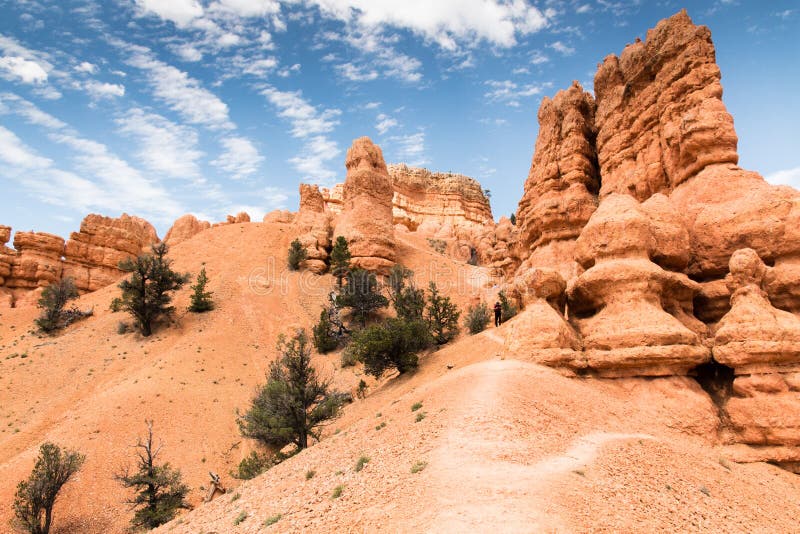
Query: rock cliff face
{"points": [[185, 228], [561, 190], [90, 256], [314, 225], [669, 271], [366, 219]]}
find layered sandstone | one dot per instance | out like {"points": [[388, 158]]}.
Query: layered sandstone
{"points": [[314, 226], [660, 116], [366, 220], [92, 255], [561, 190], [185, 228], [5, 253], [37, 261], [633, 306], [762, 345]]}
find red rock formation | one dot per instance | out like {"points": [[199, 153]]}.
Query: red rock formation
{"points": [[366, 219], [660, 116], [37, 261], [185, 228], [93, 254], [279, 216], [5, 253], [634, 315], [561, 189], [314, 225], [762, 345]]}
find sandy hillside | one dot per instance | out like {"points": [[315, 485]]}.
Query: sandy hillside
{"points": [[92, 389]]}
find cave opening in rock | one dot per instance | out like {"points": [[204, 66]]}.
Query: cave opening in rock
{"points": [[716, 379]]}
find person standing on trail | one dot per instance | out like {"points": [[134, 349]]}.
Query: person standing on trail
{"points": [[497, 313]]}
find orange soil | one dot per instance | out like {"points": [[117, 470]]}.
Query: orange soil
{"points": [[509, 445]]}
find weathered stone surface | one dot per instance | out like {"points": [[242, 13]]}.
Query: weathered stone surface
{"points": [[279, 216], [5, 253], [366, 220], [185, 228], [37, 261], [92, 255], [660, 116], [561, 190], [314, 226], [634, 316]]}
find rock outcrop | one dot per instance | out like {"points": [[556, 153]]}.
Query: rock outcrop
{"points": [[366, 220], [185, 228], [92, 255], [633, 306], [314, 225], [561, 190], [37, 262], [762, 345], [5, 253]]}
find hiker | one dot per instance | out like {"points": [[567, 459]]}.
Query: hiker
{"points": [[497, 313]]}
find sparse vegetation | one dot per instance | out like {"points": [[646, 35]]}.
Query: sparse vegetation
{"points": [[272, 520], [513, 219], [294, 403], [418, 466], [361, 295], [438, 245], [381, 426], [201, 299], [420, 417], [408, 301], [146, 292], [508, 310], [340, 260], [394, 343], [362, 461], [477, 318], [416, 406], [253, 465], [240, 518], [52, 302], [122, 328], [310, 474], [442, 316], [236, 496], [297, 255], [159, 491], [35, 497], [325, 336], [337, 492]]}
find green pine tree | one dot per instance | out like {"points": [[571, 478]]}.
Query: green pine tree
{"points": [[340, 260], [442, 316], [297, 255], [201, 299]]}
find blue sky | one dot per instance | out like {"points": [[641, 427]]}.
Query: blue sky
{"points": [[165, 107]]}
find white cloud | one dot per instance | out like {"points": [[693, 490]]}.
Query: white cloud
{"points": [[408, 149], [16, 153], [29, 112], [449, 23], [86, 67], [785, 177], [248, 8], [258, 67], [561, 48], [164, 147], [510, 92], [385, 123], [356, 73], [585, 8], [240, 159], [181, 93], [99, 90], [188, 52], [317, 151], [26, 70], [306, 119], [181, 12], [372, 105], [538, 58]]}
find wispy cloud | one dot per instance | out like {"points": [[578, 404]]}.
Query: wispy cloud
{"points": [[561, 48], [510, 92], [385, 123], [785, 177], [240, 157]]}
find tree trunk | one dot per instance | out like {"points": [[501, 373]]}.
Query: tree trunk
{"points": [[48, 518]]}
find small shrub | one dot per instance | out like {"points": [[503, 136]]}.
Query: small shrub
{"points": [[438, 245], [116, 305], [310, 474], [416, 406], [513, 219], [253, 465], [381, 426], [235, 497], [201, 299], [272, 520], [122, 328], [348, 359], [705, 491], [508, 309], [364, 460], [240, 518], [418, 466], [337, 492], [52, 302], [420, 417], [477, 318], [324, 335], [442, 316], [391, 344], [297, 255]]}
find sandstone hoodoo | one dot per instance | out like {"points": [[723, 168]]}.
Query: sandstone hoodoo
{"points": [[185, 228], [314, 225], [366, 220]]}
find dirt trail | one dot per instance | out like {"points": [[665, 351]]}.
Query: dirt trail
{"points": [[480, 469]]}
